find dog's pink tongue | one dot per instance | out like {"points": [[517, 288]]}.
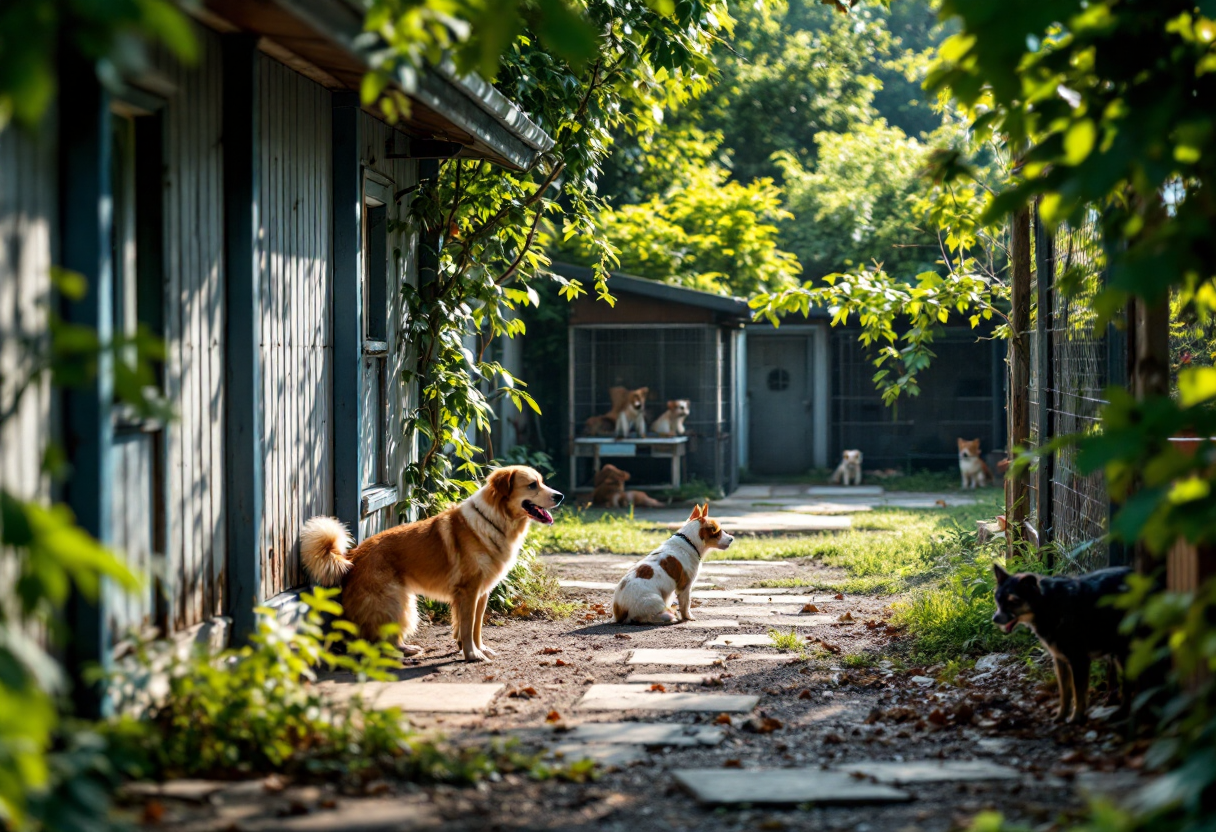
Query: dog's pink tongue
{"points": [[545, 516], [1009, 627]]}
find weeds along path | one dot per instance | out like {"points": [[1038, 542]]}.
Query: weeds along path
{"points": [[796, 700]]}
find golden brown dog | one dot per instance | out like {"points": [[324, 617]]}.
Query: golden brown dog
{"points": [[610, 490], [458, 556], [628, 411]]}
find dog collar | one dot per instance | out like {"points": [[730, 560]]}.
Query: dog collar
{"points": [[689, 542], [493, 525]]}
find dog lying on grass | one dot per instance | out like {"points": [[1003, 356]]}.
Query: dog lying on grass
{"points": [[644, 594], [1074, 620], [610, 490]]}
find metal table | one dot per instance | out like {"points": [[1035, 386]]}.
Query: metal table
{"points": [[658, 447]]}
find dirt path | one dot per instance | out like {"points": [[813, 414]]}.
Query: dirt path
{"points": [[815, 715]]}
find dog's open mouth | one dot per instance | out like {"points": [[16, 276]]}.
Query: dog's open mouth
{"points": [[537, 513], [1009, 625]]}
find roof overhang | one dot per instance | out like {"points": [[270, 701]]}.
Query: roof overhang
{"points": [[725, 307], [324, 39]]}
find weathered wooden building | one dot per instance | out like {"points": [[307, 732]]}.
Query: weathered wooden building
{"points": [[770, 401], [248, 210]]}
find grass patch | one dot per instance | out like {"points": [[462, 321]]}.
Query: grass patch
{"points": [[529, 590], [920, 480], [789, 642], [859, 660]]}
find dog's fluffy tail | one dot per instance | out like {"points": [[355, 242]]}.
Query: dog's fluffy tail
{"points": [[324, 542]]}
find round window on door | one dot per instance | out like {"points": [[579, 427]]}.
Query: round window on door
{"points": [[778, 379]]}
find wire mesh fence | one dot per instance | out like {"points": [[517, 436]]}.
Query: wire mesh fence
{"points": [[691, 362], [1075, 357]]}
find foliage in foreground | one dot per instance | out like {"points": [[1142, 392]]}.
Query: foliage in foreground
{"points": [[257, 709]]}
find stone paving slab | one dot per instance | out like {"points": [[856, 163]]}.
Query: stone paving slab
{"points": [[931, 771], [646, 733], [783, 787], [666, 678], [788, 620], [780, 590], [825, 508], [755, 564], [187, 790], [675, 656], [588, 584], [735, 610], [759, 522], [710, 624], [722, 595], [736, 640], [610, 756], [782, 601], [640, 698], [388, 814], [844, 491], [420, 697]]}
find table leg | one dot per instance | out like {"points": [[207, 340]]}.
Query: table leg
{"points": [[675, 470]]}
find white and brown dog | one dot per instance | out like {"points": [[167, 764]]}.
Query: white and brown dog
{"points": [[848, 472], [645, 593], [971, 466], [671, 423]]}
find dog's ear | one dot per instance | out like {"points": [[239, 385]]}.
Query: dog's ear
{"points": [[1000, 573], [1029, 586], [502, 482], [698, 512], [671, 404], [961, 443], [644, 391]]}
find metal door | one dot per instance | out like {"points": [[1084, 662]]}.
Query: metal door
{"points": [[781, 439]]}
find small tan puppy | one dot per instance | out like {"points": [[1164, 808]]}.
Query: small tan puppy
{"points": [[457, 556], [671, 423], [848, 472], [645, 593], [975, 472], [610, 490]]}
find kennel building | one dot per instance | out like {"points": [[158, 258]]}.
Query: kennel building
{"points": [[682, 344]]}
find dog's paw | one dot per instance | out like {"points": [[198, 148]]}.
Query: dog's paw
{"points": [[1060, 716], [475, 656], [409, 649], [488, 652], [690, 617], [1079, 718]]}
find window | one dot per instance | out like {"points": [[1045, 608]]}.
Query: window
{"points": [[374, 381], [778, 379]]}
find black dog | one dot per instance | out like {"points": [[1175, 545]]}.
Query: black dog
{"points": [[1069, 617]]}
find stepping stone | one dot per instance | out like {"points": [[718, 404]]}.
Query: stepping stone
{"points": [[751, 492], [190, 791], [647, 733], [788, 620], [610, 756], [755, 564], [710, 569], [422, 697], [710, 624], [682, 657], [638, 698], [932, 771], [736, 640], [775, 591], [745, 609], [588, 584], [783, 787], [722, 594], [844, 491], [385, 814], [780, 601], [828, 508], [666, 678]]}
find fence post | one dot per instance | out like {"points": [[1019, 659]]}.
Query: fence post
{"points": [[1150, 375], [1019, 372], [1045, 268]]}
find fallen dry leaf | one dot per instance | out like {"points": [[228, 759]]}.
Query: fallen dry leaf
{"points": [[872, 624], [712, 681], [762, 725], [154, 811], [839, 596], [560, 663], [622, 635], [732, 763], [833, 739], [733, 656], [810, 608], [549, 651], [523, 693], [657, 688], [805, 694], [847, 618], [941, 503], [722, 719], [553, 716], [831, 648], [937, 717]]}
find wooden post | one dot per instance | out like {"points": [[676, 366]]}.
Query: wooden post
{"points": [[1019, 372], [347, 306], [243, 476], [88, 428], [1150, 371], [1045, 265]]}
